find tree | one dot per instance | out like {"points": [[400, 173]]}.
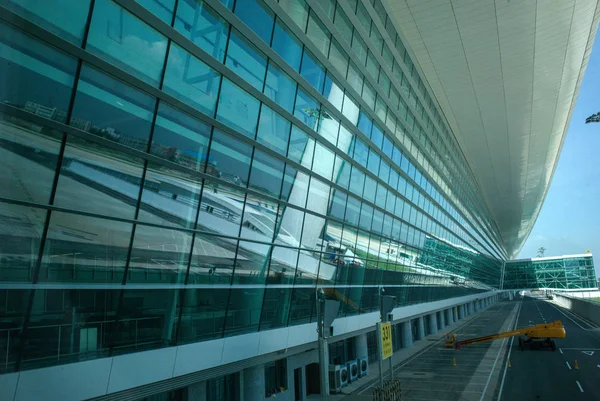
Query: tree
{"points": [[541, 252], [594, 118]]}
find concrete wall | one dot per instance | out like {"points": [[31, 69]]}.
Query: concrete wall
{"points": [[589, 310]]}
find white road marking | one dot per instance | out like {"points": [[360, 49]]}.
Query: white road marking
{"points": [[580, 388], [569, 366], [509, 351], [560, 349], [588, 353]]}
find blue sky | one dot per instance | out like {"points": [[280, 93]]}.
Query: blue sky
{"points": [[569, 221]]}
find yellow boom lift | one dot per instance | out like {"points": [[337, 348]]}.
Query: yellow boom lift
{"points": [[540, 336]]}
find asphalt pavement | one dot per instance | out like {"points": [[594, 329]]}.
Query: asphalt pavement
{"points": [[571, 373]]}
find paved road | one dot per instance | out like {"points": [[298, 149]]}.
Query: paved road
{"points": [[546, 375]]}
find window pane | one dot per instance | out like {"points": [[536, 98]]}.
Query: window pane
{"points": [[125, 41], [20, 238], [191, 81], [112, 110], [350, 109], [342, 23], [159, 255], [65, 18], [231, 157], [202, 314], [318, 34], [266, 175], [301, 148], [323, 161], [238, 109], [243, 311], [287, 46], [307, 109], [297, 10], [276, 305], [313, 71], [202, 25], [170, 197], [163, 9], [273, 130], [334, 93], [246, 61], [280, 87], [82, 248], [257, 16], [338, 58], [98, 179], [329, 128]]}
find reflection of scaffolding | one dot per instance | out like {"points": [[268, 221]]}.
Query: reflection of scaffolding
{"points": [[563, 272]]}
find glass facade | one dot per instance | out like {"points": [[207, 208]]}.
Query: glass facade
{"points": [[566, 272], [178, 171]]}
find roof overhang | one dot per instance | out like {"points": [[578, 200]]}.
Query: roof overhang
{"points": [[506, 75]]}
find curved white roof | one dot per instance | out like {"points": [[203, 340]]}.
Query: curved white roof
{"points": [[506, 74]]}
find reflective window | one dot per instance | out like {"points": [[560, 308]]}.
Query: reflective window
{"points": [[357, 181], [202, 25], [338, 57], [231, 157], [365, 124], [342, 23], [301, 148], [359, 47], [221, 211], [202, 315], [238, 109], [252, 263], [181, 139], [84, 249], [297, 10], [313, 71], [98, 179], [345, 140], [366, 217], [159, 255], [341, 172], [191, 81], [243, 311], [163, 9], [276, 304], [266, 175], [333, 92], [287, 46], [350, 109], [377, 136], [354, 77], [246, 61], [273, 130], [323, 161], [307, 109], [373, 163], [295, 187], [125, 41], [361, 152], [257, 16], [170, 197], [65, 18], [20, 237], [112, 110], [370, 189], [280, 88], [319, 35]]}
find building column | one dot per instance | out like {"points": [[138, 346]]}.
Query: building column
{"points": [[406, 334], [442, 319], [420, 327], [433, 327], [454, 313], [197, 391], [449, 319], [461, 311], [254, 383], [361, 349]]}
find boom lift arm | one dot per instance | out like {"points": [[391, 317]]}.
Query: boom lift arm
{"points": [[544, 332]]}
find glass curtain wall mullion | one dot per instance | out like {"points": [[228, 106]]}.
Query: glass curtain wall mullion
{"points": [[368, 109], [282, 15]]}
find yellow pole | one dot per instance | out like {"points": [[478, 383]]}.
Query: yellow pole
{"points": [[453, 361], [508, 363], [576, 364]]}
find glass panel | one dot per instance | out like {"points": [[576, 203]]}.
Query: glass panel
{"points": [[287, 46], [112, 110], [252, 261], [329, 127], [246, 60], [257, 16], [307, 109], [338, 57], [359, 47], [159, 255], [276, 305], [202, 25], [231, 157], [297, 10], [313, 71], [127, 42], [221, 209], [65, 18], [170, 197], [357, 181], [323, 161], [243, 311], [266, 175], [301, 147], [280, 87], [350, 109], [202, 314], [238, 109], [20, 236], [370, 189], [84, 249], [98, 179], [342, 23], [273, 130], [302, 306], [163, 9], [295, 187], [318, 34], [212, 256], [191, 81], [334, 93]]}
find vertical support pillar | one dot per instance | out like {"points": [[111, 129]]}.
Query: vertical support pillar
{"points": [[197, 391], [454, 314], [449, 319], [442, 316], [406, 334], [254, 383], [461, 311], [421, 328], [433, 326], [361, 349]]}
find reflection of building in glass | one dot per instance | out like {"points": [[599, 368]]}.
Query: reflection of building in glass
{"points": [[181, 177], [558, 272]]}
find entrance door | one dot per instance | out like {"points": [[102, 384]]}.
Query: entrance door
{"points": [[313, 380], [298, 384]]}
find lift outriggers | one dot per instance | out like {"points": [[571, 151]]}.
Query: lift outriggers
{"points": [[540, 336]]}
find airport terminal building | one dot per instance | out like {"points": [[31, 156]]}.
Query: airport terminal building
{"points": [[182, 178]]}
